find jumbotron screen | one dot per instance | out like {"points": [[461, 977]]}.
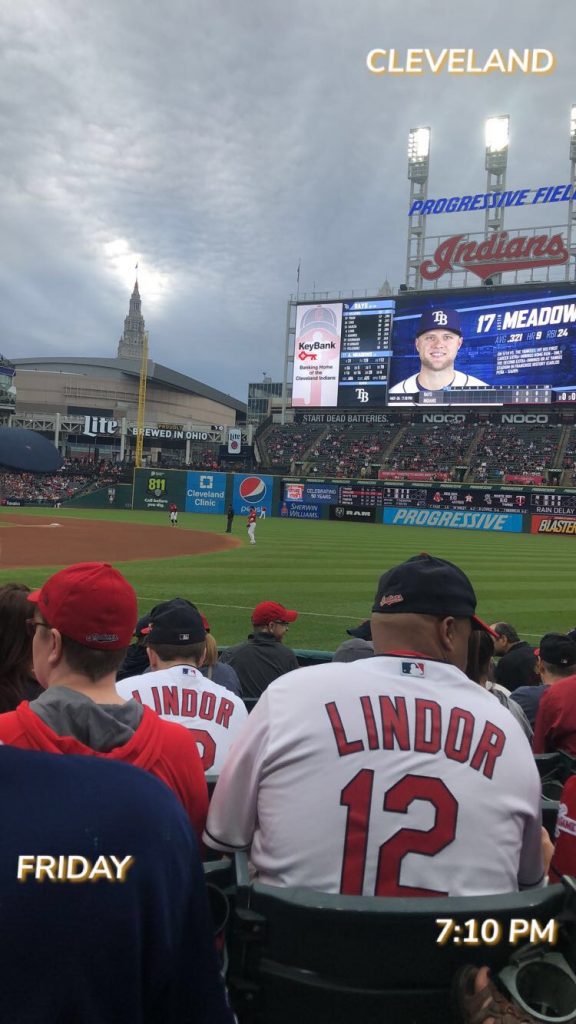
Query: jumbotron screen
{"points": [[509, 345]]}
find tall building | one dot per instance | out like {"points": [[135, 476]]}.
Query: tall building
{"points": [[260, 397], [132, 341]]}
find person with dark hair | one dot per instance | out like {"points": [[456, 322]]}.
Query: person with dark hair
{"points": [[16, 673], [83, 619], [480, 653], [517, 664]]}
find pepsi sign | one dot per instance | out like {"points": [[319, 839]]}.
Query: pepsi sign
{"points": [[252, 492]]}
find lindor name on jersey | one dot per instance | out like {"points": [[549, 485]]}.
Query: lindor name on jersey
{"points": [[181, 694], [421, 728]]}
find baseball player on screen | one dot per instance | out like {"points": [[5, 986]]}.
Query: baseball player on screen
{"points": [[438, 341]]}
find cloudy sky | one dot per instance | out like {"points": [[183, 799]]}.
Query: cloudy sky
{"points": [[220, 143]]}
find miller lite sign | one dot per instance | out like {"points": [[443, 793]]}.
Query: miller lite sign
{"points": [[495, 255]]}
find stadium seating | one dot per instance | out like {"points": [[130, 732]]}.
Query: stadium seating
{"points": [[281, 446], [432, 448], [515, 448], [298, 955], [351, 451]]}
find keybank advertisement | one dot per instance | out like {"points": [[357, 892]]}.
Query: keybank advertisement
{"points": [[496, 522], [252, 492], [206, 492]]}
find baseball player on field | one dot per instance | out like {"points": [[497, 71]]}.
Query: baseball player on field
{"points": [[396, 775], [251, 524], [173, 510], [438, 341]]}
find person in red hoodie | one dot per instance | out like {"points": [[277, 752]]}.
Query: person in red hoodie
{"points": [[84, 618]]}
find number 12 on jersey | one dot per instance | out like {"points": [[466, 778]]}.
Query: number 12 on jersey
{"points": [[357, 797]]}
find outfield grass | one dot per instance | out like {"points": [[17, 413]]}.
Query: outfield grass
{"points": [[329, 571]]}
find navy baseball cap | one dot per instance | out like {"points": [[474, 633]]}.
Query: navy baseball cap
{"points": [[439, 320], [425, 585], [558, 649], [175, 622]]}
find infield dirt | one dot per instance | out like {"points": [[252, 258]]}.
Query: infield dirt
{"points": [[25, 541]]}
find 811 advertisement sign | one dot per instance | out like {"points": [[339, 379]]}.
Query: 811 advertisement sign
{"points": [[252, 491]]}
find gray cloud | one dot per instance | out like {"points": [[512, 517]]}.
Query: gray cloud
{"points": [[221, 143]]}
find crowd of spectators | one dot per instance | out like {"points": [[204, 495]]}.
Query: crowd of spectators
{"points": [[515, 448], [350, 451], [282, 445], [62, 647], [489, 451], [430, 448]]}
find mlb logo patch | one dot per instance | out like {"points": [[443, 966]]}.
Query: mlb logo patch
{"points": [[413, 668]]}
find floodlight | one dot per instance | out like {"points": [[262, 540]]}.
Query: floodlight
{"points": [[497, 133], [497, 136], [418, 153], [573, 132]]}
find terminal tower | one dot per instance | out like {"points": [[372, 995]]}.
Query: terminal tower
{"points": [[131, 343]]}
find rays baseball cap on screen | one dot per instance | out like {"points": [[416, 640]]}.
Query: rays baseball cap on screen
{"points": [[428, 586], [175, 622], [439, 320], [271, 611], [91, 603]]}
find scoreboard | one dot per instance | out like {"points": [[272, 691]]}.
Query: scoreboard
{"points": [[359, 495], [518, 347]]}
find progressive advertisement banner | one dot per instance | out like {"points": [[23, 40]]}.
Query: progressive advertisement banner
{"points": [[251, 491], [495, 522], [206, 492], [548, 524]]}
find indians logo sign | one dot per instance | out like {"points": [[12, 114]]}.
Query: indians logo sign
{"points": [[495, 255], [252, 490]]}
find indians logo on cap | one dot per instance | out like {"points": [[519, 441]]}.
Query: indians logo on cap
{"points": [[252, 489]]}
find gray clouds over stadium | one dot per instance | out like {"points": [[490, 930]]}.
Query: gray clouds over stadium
{"points": [[219, 143]]}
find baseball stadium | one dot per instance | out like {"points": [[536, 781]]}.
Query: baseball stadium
{"points": [[416, 462]]}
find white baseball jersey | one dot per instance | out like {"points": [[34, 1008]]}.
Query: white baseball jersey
{"points": [[393, 776], [183, 695], [409, 386]]}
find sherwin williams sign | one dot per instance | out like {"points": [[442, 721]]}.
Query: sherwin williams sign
{"points": [[496, 522], [252, 492], [206, 492]]}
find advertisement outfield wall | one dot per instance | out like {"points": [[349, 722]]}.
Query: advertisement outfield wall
{"points": [[495, 522]]}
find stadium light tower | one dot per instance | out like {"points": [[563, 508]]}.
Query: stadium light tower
{"points": [[497, 135], [571, 231], [418, 165]]}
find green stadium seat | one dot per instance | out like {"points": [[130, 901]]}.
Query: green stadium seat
{"points": [[298, 955]]}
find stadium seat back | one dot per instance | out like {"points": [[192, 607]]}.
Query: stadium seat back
{"points": [[303, 956]]}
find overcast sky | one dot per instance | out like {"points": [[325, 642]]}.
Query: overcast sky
{"points": [[218, 143]]}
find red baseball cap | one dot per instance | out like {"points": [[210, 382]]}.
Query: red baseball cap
{"points": [[271, 611], [91, 603]]}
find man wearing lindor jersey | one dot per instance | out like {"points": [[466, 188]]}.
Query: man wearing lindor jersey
{"points": [[393, 776], [175, 687]]}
